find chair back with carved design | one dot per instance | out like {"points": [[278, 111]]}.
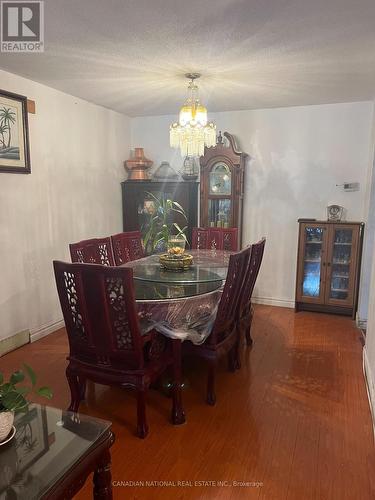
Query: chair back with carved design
{"points": [[230, 239], [227, 310], [256, 252], [223, 238], [98, 304], [215, 238], [199, 238], [127, 246], [94, 251]]}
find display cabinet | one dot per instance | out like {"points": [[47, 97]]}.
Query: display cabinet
{"points": [[328, 268], [222, 185], [137, 202]]}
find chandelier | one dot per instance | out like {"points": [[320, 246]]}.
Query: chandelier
{"points": [[192, 132]]}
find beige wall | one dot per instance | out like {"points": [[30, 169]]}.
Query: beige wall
{"points": [[73, 193]]}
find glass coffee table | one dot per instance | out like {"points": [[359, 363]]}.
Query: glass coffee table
{"points": [[53, 453]]}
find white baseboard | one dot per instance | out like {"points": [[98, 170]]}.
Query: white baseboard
{"points": [[361, 323], [370, 386], [268, 301], [14, 342], [45, 330]]}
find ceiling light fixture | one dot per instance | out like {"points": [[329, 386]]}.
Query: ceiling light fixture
{"points": [[192, 132]]}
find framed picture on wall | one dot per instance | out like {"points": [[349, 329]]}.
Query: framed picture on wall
{"points": [[14, 134]]}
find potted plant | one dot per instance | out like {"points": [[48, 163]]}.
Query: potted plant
{"points": [[13, 397], [160, 227]]}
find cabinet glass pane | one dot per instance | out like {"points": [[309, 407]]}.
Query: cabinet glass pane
{"points": [[312, 261], [341, 260], [219, 212]]}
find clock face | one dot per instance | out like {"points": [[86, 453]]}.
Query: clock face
{"points": [[220, 179]]}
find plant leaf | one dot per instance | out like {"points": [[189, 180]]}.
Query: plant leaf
{"points": [[1, 378], [30, 373], [180, 231], [179, 212], [17, 377], [178, 206], [23, 390], [13, 401], [5, 388], [45, 392]]}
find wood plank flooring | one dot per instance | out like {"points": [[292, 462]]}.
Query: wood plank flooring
{"points": [[294, 420]]}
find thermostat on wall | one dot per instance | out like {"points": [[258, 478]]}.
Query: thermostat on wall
{"points": [[349, 186]]}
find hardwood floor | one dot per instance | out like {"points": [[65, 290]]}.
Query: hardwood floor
{"points": [[295, 418]]}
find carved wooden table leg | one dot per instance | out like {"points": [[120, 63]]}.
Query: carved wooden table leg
{"points": [[178, 414], [103, 478]]}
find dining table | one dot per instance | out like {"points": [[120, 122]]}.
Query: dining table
{"points": [[180, 304]]}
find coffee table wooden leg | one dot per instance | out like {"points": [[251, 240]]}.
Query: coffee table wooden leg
{"points": [[103, 478]]}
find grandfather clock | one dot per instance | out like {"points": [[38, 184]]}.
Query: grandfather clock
{"points": [[222, 185]]}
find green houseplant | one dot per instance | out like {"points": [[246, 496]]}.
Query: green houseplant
{"points": [[14, 397], [160, 225]]}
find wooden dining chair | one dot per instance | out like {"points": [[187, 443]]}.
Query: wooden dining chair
{"points": [[94, 251], [223, 238], [245, 308], [199, 238], [127, 247], [223, 339], [105, 341], [215, 238]]}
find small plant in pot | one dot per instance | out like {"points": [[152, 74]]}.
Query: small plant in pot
{"points": [[14, 397]]}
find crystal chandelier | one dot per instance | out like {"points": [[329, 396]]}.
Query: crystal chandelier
{"points": [[192, 132]]}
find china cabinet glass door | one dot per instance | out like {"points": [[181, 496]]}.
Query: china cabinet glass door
{"points": [[313, 249], [341, 265]]}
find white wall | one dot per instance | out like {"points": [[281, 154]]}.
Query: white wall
{"points": [[367, 293], [77, 152], [368, 247], [369, 350], [298, 156]]}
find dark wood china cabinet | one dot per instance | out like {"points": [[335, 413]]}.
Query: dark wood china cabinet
{"points": [[222, 185], [328, 268]]}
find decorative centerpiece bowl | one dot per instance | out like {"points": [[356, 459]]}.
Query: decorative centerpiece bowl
{"points": [[176, 262], [176, 259]]}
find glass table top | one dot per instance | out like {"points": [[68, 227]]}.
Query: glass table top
{"points": [[152, 282], [48, 442], [145, 291]]}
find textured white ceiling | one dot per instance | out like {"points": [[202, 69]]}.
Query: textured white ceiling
{"points": [[130, 55]]}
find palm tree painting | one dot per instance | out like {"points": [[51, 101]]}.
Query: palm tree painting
{"points": [[14, 146], [7, 122]]}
